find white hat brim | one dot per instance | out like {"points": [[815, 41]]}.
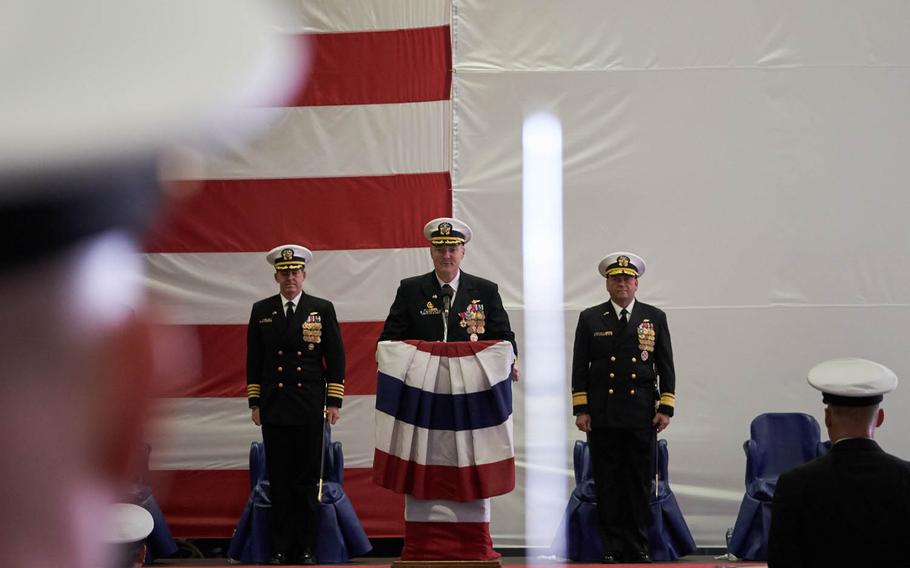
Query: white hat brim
{"points": [[108, 79]]}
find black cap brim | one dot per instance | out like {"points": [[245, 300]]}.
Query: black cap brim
{"points": [[840, 400]]}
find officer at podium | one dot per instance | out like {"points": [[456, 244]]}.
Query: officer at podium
{"points": [[448, 304]]}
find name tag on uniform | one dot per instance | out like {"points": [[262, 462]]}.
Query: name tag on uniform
{"points": [[265, 320], [430, 310], [602, 333]]}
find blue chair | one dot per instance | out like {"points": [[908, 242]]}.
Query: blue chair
{"points": [[161, 543], [340, 534], [578, 536], [779, 441], [668, 535]]}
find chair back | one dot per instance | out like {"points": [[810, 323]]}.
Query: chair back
{"points": [[333, 464], [779, 442], [257, 463], [663, 475], [584, 471]]}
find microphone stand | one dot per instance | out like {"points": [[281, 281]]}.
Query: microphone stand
{"points": [[446, 304], [447, 293]]}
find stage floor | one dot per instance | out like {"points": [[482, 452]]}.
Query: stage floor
{"points": [[516, 561]]}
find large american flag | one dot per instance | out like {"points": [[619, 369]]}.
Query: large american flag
{"points": [[352, 169]]}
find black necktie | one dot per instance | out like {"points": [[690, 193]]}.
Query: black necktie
{"points": [[447, 292], [290, 312], [623, 318]]}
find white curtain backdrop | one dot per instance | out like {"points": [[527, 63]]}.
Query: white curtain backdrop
{"points": [[753, 152]]}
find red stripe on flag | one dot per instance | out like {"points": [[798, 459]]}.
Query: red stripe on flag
{"points": [[201, 503], [438, 541], [382, 67], [366, 212], [208, 503], [223, 354], [443, 482], [381, 511]]}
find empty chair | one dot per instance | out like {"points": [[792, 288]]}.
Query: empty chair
{"points": [[668, 535], [578, 536], [161, 543], [779, 441], [340, 534]]}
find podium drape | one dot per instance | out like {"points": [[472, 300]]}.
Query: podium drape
{"points": [[444, 438]]}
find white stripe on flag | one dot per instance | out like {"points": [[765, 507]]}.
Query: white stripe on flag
{"points": [[440, 511], [359, 15], [216, 433], [446, 375], [220, 288], [444, 447], [342, 141]]}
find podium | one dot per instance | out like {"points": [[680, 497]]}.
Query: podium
{"points": [[444, 440]]}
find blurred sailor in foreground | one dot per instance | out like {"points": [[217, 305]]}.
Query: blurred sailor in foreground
{"points": [[850, 507], [92, 92]]}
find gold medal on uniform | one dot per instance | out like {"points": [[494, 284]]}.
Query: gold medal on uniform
{"points": [[473, 320], [646, 337], [312, 329]]}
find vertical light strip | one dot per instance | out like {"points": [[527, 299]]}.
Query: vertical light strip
{"points": [[543, 353]]}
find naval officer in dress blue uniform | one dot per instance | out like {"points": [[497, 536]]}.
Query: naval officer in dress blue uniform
{"points": [[295, 373], [623, 390], [850, 507]]}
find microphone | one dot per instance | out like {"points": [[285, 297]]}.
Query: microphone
{"points": [[447, 293]]}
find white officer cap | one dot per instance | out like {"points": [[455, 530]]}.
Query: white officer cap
{"points": [[289, 257], [622, 263], [125, 523], [852, 381], [447, 231], [93, 90], [102, 80]]}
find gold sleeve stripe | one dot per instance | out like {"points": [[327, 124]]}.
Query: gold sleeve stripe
{"points": [[668, 399], [579, 398], [252, 389], [336, 390]]}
